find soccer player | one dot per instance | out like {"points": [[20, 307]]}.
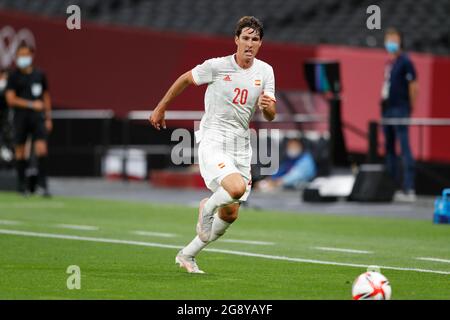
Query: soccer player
{"points": [[27, 93], [237, 84]]}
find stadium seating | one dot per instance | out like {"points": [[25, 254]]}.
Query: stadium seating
{"points": [[426, 23]]}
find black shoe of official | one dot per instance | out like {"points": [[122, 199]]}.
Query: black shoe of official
{"points": [[32, 183]]}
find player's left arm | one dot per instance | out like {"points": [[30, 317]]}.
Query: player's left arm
{"points": [[267, 105], [267, 101]]}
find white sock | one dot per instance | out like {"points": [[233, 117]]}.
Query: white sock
{"points": [[219, 199], [194, 247], [219, 227]]}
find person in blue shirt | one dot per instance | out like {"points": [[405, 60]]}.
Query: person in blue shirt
{"points": [[399, 94], [297, 168]]}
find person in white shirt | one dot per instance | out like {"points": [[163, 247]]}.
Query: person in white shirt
{"points": [[237, 84]]}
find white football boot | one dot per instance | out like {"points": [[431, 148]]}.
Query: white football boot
{"points": [[187, 262]]}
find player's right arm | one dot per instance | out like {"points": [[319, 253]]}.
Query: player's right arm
{"points": [[267, 101], [157, 117]]}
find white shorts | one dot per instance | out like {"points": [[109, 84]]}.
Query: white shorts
{"points": [[215, 164]]}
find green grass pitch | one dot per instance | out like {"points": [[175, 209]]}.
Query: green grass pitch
{"points": [[33, 261]]}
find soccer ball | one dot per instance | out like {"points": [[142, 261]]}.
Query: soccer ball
{"points": [[371, 286]]}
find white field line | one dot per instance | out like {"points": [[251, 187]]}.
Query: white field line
{"points": [[9, 222], [32, 205], [433, 259], [342, 250], [154, 234], [260, 243], [238, 253], [76, 227]]}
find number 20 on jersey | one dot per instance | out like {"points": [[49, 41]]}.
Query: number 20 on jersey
{"points": [[240, 96]]}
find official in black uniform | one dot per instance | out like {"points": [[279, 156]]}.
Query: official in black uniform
{"points": [[6, 144], [3, 107], [27, 93]]}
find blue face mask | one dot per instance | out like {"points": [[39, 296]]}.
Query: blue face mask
{"points": [[392, 47], [24, 62]]}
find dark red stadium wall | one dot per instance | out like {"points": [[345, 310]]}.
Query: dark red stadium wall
{"points": [[105, 67], [440, 108], [125, 69]]}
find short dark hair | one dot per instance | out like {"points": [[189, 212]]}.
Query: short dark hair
{"points": [[249, 22], [392, 30], [24, 45]]}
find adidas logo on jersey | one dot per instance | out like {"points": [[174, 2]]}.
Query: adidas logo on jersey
{"points": [[227, 78]]}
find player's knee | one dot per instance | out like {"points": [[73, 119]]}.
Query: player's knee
{"points": [[229, 213], [237, 191], [235, 185], [232, 217], [229, 216]]}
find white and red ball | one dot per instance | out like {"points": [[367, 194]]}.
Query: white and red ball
{"points": [[371, 286]]}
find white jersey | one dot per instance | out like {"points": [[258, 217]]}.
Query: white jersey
{"points": [[232, 95]]}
